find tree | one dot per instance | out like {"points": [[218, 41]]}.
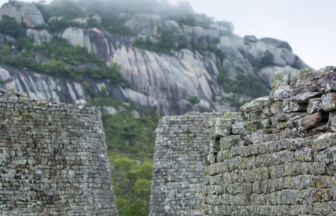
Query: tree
{"points": [[132, 186], [9, 26], [194, 100]]}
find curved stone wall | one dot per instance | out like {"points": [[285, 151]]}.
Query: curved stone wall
{"points": [[53, 159], [278, 156], [178, 174]]}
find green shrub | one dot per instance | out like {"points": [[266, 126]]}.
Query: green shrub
{"points": [[64, 61], [132, 184], [267, 60], [9, 26], [194, 100], [69, 9], [123, 130], [165, 43], [248, 85]]}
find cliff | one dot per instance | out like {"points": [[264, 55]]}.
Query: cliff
{"points": [[169, 80]]}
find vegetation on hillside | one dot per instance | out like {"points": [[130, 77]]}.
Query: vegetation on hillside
{"points": [[10, 27], [126, 134], [65, 61], [128, 138]]}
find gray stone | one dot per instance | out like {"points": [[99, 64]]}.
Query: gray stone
{"points": [[304, 97], [136, 114], [24, 13], [110, 110], [39, 36], [173, 26], [287, 164], [142, 23], [329, 102], [250, 38], [277, 43], [180, 155], [315, 105], [56, 153]]}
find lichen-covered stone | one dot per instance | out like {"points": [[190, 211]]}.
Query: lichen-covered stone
{"points": [[53, 159], [329, 102], [182, 143], [276, 157], [281, 159], [304, 97], [281, 79], [315, 105]]}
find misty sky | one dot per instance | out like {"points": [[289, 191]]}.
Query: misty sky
{"points": [[308, 25]]}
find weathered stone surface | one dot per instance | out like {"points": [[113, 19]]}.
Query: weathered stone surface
{"points": [[164, 79], [311, 121], [281, 79], [284, 167], [329, 102], [291, 106], [277, 43], [39, 36], [315, 105], [180, 155], [24, 13], [282, 93], [332, 121], [304, 97], [144, 23], [53, 159]]}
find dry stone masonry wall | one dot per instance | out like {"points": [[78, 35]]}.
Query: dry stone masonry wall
{"points": [[53, 159], [278, 156], [178, 173]]}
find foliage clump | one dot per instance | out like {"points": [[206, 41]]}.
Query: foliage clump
{"points": [[64, 61], [194, 100], [248, 85], [9, 26], [132, 185]]}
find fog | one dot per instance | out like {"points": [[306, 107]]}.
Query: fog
{"points": [[308, 25]]}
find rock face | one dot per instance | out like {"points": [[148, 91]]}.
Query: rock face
{"points": [[277, 158], [144, 23], [30, 17], [39, 36], [24, 13], [165, 79], [53, 159], [168, 80], [42, 87]]}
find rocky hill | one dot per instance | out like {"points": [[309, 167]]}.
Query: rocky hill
{"points": [[136, 60], [168, 54]]}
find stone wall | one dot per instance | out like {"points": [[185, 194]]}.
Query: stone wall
{"points": [[278, 156], [178, 174], [53, 159]]}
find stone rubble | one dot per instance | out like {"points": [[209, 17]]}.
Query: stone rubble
{"points": [[278, 155], [53, 159]]}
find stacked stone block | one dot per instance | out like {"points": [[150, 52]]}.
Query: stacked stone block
{"points": [[278, 155], [53, 159], [178, 173]]}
